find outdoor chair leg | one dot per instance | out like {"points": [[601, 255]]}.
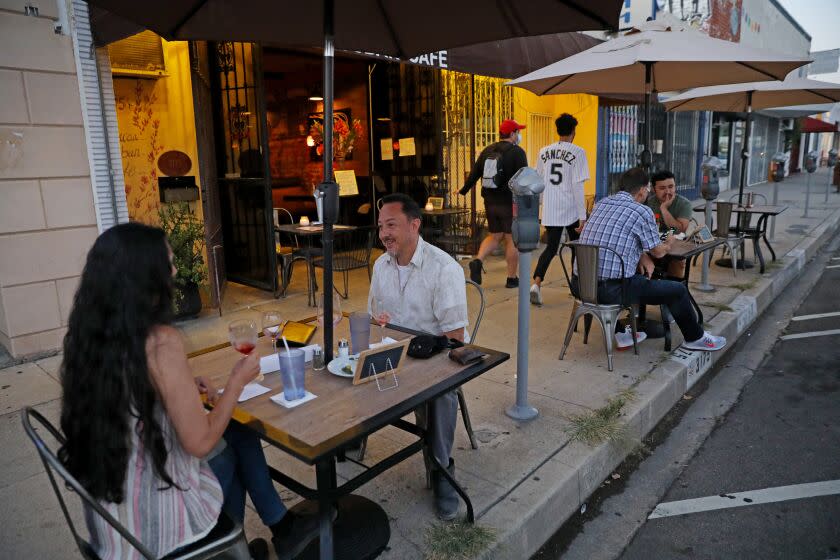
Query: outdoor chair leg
{"points": [[587, 324], [240, 551], [362, 449], [667, 319], [607, 321], [465, 414], [634, 328], [769, 247], [572, 322]]}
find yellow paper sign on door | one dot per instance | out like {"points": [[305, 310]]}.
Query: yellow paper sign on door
{"points": [[407, 147], [386, 146], [346, 179]]}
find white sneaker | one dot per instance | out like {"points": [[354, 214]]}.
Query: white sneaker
{"points": [[708, 342], [625, 339], [536, 296]]}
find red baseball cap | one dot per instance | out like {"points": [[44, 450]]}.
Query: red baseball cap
{"points": [[509, 125]]}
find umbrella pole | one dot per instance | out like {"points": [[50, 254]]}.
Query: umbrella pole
{"points": [[745, 151], [328, 189], [646, 155]]}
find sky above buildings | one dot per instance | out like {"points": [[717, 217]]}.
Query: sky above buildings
{"points": [[820, 19]]}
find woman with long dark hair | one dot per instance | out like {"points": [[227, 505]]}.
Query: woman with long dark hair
{"points": [[138, 436]]}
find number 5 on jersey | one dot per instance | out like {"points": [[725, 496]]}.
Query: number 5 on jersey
{"points": [[556, 174]]}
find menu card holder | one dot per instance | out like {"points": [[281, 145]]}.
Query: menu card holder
{"points": [[385, 380]]}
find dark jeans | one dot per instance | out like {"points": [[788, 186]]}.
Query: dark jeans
{"points": [[672, 294], [241, 467], [553, 236]]}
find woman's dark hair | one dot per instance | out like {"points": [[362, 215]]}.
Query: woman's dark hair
{"points": [[124, 291]]}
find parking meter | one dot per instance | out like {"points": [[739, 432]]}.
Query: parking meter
{"points": [[526, 185], [710, 187], [832, 157], [811, 162]]}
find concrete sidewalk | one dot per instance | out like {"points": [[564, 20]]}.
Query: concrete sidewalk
{"points": [[525, 480]]}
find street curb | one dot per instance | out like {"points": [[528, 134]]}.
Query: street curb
{"points": [[539, 505]]}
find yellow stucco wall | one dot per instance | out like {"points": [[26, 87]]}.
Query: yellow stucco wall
{"points": [[155, 116], [583, 107]]}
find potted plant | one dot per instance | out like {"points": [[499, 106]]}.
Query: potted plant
{"points": [[186, 237]]}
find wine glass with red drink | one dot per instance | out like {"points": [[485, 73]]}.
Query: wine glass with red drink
{"points": [[243, 337]]}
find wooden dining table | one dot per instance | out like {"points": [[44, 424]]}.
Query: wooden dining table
{"points": [[318, 432]]}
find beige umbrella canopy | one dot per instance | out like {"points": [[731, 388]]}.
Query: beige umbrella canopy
{"points": [[754, 95], [657, 57]]}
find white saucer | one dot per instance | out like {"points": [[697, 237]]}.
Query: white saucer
{"points": [[335, 366]]}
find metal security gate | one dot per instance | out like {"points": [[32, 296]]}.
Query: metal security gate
{"points": [[759, 157], [472, 108], [682, 161], [617, 146], [242, 161]]}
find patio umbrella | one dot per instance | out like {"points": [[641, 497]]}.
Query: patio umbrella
{"points": [[390, 27], [755, 95], [657, 56]]}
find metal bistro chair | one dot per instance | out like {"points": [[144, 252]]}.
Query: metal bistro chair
{"points": [[731, 238], [352, 251], [462, 401], [227, 538], [586, 299], [754, 232], [288, 251]]}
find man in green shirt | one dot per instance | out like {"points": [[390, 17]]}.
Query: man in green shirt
{"points": [[670, 209]]}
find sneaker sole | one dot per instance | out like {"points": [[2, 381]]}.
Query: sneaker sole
{"points": [[703, 349]]}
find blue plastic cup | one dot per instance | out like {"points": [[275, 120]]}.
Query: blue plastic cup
{"points": [[292, 373]]}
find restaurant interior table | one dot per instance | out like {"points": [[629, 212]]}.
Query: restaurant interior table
{"points": [[683, 250], [310, 233], [318, 432], [439, 231], [755, 233]]}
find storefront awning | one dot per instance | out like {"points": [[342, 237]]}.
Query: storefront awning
{"points": [[812, 125]]}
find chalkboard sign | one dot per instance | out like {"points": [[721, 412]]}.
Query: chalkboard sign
{"points": [[384, 359]]}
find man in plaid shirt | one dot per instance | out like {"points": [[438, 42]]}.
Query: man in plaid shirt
{"points": [[624, 224]]}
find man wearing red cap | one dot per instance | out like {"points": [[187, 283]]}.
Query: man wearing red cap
{"points": [[496, 164]]}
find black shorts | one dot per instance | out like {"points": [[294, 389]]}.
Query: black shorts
{"points": [[499, 216]]}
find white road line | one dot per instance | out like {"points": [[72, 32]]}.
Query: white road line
{"points": [[816, 316], [750, 498], [835, 258], [809, 334], [834, 266]]}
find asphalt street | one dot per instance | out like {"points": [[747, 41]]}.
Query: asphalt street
{"points": [[783, 432]]}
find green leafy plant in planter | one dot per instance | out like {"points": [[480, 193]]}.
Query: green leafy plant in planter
{"points": [[186, 237]]}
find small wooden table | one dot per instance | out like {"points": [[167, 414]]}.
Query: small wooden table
{"points": [[756, 233], [310, 233], [317, 432], [441, 235]]}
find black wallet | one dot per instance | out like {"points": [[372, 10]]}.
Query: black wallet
{"points": [[466, 355]]}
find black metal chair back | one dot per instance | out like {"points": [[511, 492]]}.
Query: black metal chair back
{"points": [[226, 536]]}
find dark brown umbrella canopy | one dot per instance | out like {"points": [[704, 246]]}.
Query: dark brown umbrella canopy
{"points": [[390, 27]]}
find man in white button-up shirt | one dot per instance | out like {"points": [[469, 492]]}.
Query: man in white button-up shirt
{"points": [[422, 288]]}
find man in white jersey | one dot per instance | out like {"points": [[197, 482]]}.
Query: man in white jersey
{"points": [[564, 169]]}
